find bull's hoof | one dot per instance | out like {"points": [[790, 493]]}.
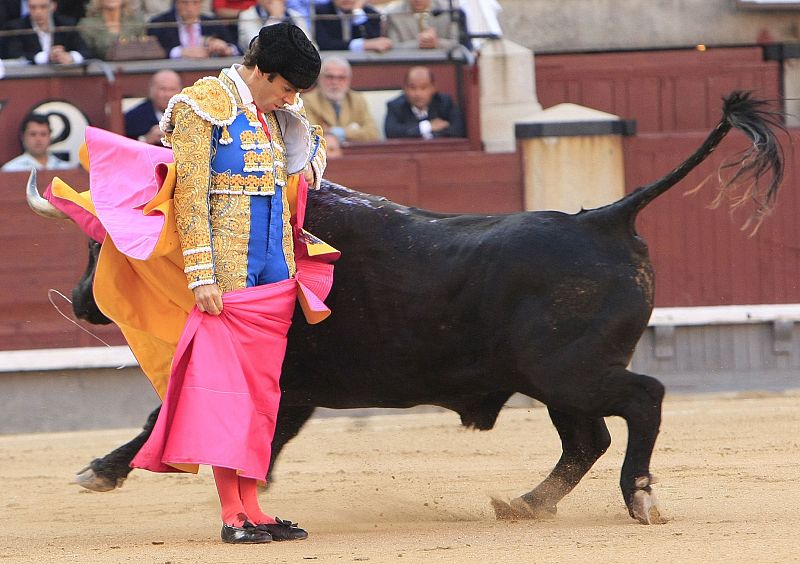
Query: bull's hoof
{"points": [[519, 508], [87, 478], [644, 505], [502, 510]]}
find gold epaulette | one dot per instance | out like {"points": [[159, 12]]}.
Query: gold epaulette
{"points": [[210, 99]]}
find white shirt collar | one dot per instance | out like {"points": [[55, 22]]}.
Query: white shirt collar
{"points": [[244, 91]]}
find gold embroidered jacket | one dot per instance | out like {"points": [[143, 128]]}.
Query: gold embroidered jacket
{"points": [[213, 189]]}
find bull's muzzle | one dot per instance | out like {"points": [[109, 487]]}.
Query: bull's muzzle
{"points": [[38, 204]]}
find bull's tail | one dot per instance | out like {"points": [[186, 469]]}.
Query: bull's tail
{"points": [[763, 158]]}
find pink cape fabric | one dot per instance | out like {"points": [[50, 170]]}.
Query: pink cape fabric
{"points": [[223, 394], [124, 175], [223, 391]]}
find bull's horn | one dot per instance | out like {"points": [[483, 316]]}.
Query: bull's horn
{"points": [[38, 204]]}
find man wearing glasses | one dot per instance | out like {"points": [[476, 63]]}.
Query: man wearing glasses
{"points": [[340, 111]]}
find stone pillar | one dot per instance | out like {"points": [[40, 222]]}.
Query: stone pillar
{"points": [[508, 92], [572, 158], [788, 55]]}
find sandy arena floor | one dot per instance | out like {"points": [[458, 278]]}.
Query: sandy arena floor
{"points": [[413, 488]]}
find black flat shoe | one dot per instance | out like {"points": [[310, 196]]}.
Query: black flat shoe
{"points": [[283, 530], [246, 534]]}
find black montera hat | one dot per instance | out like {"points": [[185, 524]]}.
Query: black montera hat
{"points": [[284, 48]]}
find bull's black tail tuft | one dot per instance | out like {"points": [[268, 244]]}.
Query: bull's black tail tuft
{"points": [[747, 170]]}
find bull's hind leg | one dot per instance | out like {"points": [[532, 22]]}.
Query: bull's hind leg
{"points": [[637, 399], [584, 440]]}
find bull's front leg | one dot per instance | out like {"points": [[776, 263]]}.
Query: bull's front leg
{"points": [[109, 472], [583, 441]]}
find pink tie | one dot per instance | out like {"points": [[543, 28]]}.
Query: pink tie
{"points": [[192, 33]]}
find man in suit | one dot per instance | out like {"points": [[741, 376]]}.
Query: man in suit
{"points": [[421, 111], [340, 111], [356, 27], [45, 43], [421, 24], [191, 34], [141, 122]]}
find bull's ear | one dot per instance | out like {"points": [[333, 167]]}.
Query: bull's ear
{"points": [[39, 205]]}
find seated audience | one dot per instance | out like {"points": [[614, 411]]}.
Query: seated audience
{"points": [[230, 9], [333, 150], [421, 111], [195, 36], [46, 43], [106, 22], [356, 27], [149, 9], [266, 12], [412, 25], [34, 134], [141, 122], [75, 9], [340, 111]]}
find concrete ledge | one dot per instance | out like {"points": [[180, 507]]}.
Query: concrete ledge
{"points": [[66, 359], [724, 315]]}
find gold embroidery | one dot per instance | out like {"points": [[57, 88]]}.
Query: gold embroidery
{"points": [[211, 98], [247, 138], [226, 182], [251, 161], [262, 141], [288, 240], [230, 216], [191, 144], [278, 147]]}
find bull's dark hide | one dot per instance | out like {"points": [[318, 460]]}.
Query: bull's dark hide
{"points": [[462, 311]]}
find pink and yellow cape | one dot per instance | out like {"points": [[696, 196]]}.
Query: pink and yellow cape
{"points": [[140, 285]]}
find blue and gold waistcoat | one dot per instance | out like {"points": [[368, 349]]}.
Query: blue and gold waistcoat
{"points": [[225, 162]]}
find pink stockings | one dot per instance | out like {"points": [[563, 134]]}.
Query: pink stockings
{"points": [[238, 497]]}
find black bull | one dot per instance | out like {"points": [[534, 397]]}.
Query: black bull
{"points": [[462, 311]]}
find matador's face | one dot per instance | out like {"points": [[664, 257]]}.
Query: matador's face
{"points": [[271, 95]]}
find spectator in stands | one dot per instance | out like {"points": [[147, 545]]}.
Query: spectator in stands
{"points": [[34, 134], [340, 111], [421, 24], [46, 43], [149, 9], [229, 11], [186, 33], [267, 12], [108, 21], [421, 111], [357, 27], [75, 9], [333, 150], [141, 122]]}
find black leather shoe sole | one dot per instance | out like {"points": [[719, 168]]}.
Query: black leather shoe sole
{"points": [[244, 535]]}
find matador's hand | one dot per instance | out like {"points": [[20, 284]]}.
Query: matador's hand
{"points": [[308, 174], [208, 298]]}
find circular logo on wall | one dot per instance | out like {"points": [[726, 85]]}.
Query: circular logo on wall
{"points": [[68, 126]]}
